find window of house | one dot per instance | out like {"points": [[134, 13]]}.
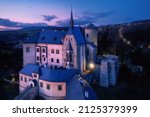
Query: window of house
{"points": [[57, 60], [25, 79], [37, 58], [57, 51], [52, 51], [52, 60], [59, 87], [27, 49], [41, 84], [37, 50], [48, 87]]}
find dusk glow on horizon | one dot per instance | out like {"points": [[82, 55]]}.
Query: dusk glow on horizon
{"points": [[25, 13]]}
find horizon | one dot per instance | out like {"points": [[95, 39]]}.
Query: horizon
{"points": [[29, 13]]}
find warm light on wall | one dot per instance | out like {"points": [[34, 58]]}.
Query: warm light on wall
{"points": [[91, 65]]}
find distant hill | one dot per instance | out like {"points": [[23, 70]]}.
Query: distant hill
{"points": [[21, 34], [130, 41]]}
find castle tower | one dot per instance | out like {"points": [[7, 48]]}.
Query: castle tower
{"points": [[91, 33]]}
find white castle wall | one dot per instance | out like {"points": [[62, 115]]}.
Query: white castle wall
{"points": [[28, 57], [53, 91], [91, 35]]}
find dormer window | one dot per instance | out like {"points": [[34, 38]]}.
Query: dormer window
{"points": [[43, 38], [35, 75], [55, 38]]}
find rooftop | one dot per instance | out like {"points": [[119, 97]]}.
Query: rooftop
{"points": [[50, 75], [47, 36]]}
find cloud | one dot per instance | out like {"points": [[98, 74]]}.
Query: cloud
{"points": [[86, 17], [49, 17], [96, 15], [9, 23]]}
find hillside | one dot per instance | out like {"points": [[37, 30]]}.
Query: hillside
{"points": [[130, 41]]}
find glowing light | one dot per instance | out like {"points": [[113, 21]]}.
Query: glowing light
{"points": [[91, 65], [128, 42]]}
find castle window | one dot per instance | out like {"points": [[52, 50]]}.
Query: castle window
{"points": [[87, 35], [59, 87], [52, 60], [27, 49], [37, 58], [21, 78], [57, 60], [25, 79], [52, 51], [48, 87], [41, 84], [43, 38], [35, 75], [57, 51], [37, 50], [44, 50]]}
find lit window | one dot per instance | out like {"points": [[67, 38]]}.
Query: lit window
{"points": [[41, 84], [52, 60], [48, 87], [57, 60], [52, 51], [59, 87], [27, 49], [57, 51]]}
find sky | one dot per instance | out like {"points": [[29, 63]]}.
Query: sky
{"points": [[24, 13]]}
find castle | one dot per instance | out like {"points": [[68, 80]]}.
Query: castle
{"points": [[53, 60]]}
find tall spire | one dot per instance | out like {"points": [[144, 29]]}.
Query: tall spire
{"points": [[71, 19]]}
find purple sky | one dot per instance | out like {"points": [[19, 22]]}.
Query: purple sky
{"points": [[24, 13]]}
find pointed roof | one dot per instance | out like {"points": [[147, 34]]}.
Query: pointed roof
{"points": [[69, 46], [71, 19], [91, 26], [78, 35]]}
